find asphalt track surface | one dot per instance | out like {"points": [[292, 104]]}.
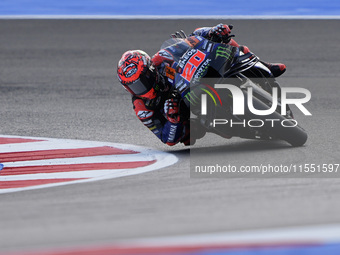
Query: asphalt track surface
{"points": [[57, 79]]}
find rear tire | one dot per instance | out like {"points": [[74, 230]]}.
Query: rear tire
{"points": [[290, 132]]}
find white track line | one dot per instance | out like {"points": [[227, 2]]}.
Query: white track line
{"points": [[293, 235], [85, 160], [43, 145], [51, 144], [174, 17]]}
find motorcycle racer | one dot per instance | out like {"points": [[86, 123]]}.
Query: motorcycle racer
{"points": [[153, 102]]}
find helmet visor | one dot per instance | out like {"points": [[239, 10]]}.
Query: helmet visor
{"points": [[143, 84]]}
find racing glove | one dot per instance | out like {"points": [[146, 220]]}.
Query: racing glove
{"points": [[221, 31], [171, 110]]}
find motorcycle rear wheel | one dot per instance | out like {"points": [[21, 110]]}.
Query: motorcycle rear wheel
{"points": [[289, 132]]}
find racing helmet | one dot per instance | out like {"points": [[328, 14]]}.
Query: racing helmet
{"points": [[137, 75]]}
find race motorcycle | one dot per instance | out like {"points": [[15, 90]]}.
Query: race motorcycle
{"points": [[201, 65]]}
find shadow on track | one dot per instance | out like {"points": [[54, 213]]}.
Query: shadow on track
{"points": [[248, 146]]}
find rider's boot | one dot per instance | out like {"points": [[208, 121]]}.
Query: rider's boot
{"points": [[276, 69]]}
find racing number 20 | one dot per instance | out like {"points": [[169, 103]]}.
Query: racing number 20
{"points": [[192, 65]]}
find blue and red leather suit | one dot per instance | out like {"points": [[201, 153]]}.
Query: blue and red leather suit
{"points": [[151, 112], [152, 115]]}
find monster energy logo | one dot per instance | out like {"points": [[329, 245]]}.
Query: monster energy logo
{"points": [[192, 98], [223, 52]]}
